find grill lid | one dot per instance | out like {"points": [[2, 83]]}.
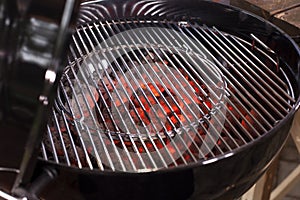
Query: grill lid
{"points": [[144, 95]]}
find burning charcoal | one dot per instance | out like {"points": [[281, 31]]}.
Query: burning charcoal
{"points": [[110, 125], [149, 146], [173, 107], [150, 97], [187, 156], [176, 121], [198, 140], [154, 90], [169, 126], [139, 116], [56, 142], [203, 109], [59, 148], [106, 84], [249, 121], [81, 156], [104, 101], [173, 122], [141, 100], [195, 87], [84, 102], [142, 106], [120, 102], [235, 111], [150, 56], [227, 143]]}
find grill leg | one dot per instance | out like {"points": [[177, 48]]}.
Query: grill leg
{"points": [[262, 189], [37, 185], [294, 177]]}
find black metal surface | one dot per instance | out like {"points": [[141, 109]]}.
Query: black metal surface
{"points": [[33, 38], [226, 177]]}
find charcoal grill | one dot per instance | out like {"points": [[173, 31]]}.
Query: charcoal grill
{"points": [[160, 96], [101, 102]]}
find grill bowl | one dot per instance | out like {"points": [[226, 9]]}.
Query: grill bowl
{"points": [[225, 176]]}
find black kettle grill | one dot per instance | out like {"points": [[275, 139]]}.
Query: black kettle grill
{"points": [[145, 100]]}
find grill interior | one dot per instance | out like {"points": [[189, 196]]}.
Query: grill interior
{"points": [[144, 95]]}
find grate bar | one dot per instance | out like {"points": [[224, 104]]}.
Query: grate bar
{"points": [[275, 84], [64, 149], [232, 66], [44, 152], [254, 77], [53, 149], [71, 139], [236, 82]]}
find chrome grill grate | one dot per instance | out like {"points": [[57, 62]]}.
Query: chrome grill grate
{"points": [[144, 95]]}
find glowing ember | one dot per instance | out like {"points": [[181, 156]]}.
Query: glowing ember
{"points": [[160, 108]]}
